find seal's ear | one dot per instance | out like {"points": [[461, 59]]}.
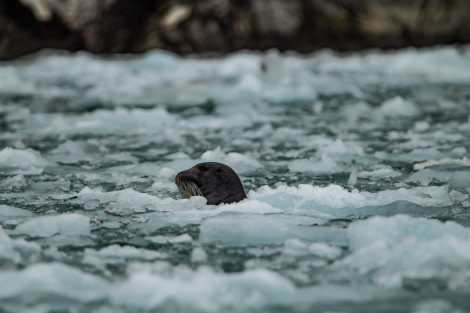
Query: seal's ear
{"points": [[217, 182]]}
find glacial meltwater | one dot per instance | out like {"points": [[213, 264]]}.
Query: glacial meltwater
{"points": [[356, 168]]}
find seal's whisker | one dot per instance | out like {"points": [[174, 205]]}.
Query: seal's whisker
{"points": [[187, 187]]}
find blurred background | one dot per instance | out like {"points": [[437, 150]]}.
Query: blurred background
{"points": [[220, 26]]}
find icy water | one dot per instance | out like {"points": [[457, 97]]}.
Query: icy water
{"points": [[356, 169]]}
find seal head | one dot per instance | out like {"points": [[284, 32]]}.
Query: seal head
{"points": [[217, 182]]}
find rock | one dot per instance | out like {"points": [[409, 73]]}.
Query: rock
{"points": [[182, 26]]}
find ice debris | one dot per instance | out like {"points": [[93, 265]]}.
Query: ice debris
{"points": [[21, 161], [72, 224]]}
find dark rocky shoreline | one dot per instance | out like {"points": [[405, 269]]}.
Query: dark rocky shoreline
{"points": [[221, 26]]}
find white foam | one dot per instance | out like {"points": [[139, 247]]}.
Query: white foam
{"points": [[65, 224]]}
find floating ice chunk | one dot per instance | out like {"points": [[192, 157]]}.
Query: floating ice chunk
{"points": [[382, 171], [341, 147], [45, 226], [325, 251], [239, 162], [125, 201], [332, 155], [391, 230], [216, 154], [118, 254], [426, 176], [289, 92], [355, 111], [157, 59], [463, 162], [421, 154], [448, 65], [17, 161], [51, 187], [204, 289], [296, 247], [194, 210], [434, 306], [247, 88], [254, 229], [168, 239], [330, 199], [18, 250], [29, 251], [208, 291], [7, 251], [238, 63], [80, 148], [397, 106], [128, 252], [421, 126], [118, 121], [166, 172], [252, 206], [460, 151], [71, 152], [39, 281], [379, 244], [9, 211], [460, 181], [235, 120], [325, 165], [13, 182], [198, 255]]}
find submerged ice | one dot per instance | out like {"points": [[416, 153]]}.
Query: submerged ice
{"points": [[355, 166]]}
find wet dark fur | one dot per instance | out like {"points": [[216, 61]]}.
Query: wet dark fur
{"points": [[217, 182]]}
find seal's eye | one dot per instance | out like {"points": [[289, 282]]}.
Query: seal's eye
{"points": [[202, 168], [218, 170]]}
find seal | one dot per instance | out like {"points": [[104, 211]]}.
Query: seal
{"points": [[216, 182]]}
